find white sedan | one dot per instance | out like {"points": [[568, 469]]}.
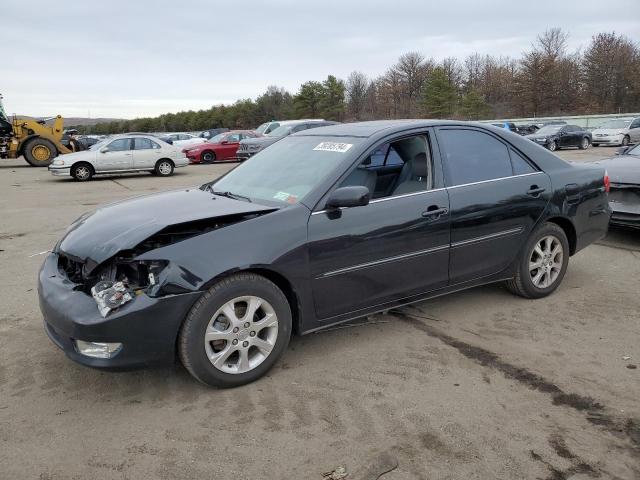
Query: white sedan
{"points": [[121, 154], [183, 140]]}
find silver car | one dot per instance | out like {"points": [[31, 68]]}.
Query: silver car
{"points": [[621, 131], [121, 154]]}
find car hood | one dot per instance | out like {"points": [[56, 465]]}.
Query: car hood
{"points": [[99, 235], [87, 155], [609, 131], [622, 169]]}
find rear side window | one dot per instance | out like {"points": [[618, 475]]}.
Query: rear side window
{"points": [[520, 164], [472, 156], [144, 144]]}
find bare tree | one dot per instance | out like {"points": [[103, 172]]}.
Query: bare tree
{"points": [[357, 87]]}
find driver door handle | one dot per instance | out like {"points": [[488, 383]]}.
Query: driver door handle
{"points": [[534, 190], [434, 212]]}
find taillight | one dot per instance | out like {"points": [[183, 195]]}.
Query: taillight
{"points": [[607, 182]]}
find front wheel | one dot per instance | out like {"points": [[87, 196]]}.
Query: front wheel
{"points": [[553, 146], [39, 152], [208, 157], [236, 332], [625, 140], [542, 263], [82, 172], [164, 168]]}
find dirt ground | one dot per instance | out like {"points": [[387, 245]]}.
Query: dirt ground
{"points": [[475, 385]]}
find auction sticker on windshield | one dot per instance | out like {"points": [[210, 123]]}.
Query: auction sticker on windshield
{"points": [[333, 147]]}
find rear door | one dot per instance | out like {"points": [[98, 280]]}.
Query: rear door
{"points": [[146, 153], [496, 196], [118, 156]]}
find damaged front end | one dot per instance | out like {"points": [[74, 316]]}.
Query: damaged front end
{"points": [[124, 276]]}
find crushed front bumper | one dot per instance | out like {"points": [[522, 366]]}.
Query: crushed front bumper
{"points": [[147, 327]]}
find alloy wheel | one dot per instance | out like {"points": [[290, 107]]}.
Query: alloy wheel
{"points": [[82, 172], [241, 334], [585, 143], [553, 146], [164, 168], [545, 262]]}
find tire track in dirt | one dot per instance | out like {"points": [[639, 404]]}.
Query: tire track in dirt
{"points": [[595, 412]]}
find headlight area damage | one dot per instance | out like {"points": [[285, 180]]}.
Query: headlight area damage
{"points": [[121, 278]]}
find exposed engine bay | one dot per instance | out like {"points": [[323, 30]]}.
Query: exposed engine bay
{"points": [[121, 278]]}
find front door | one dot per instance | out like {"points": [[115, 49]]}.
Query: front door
{"points": [[146, 153], [229, 147], [117, 155], [496, 197], [394, 248]]}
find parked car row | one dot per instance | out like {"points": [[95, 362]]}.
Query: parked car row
{"points": [[621, 131]]}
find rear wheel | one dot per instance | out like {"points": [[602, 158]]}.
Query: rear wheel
{"points": [[208, 157], [625, 140], [39, 152], [164, 168], [584, 144], [553, 146], [236, 331], [82, 172], [542, 264]]}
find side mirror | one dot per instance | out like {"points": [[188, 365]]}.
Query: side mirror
{"points": [[622, 150], [354, 196], [104, 150]]}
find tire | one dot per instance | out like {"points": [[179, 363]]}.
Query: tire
{"points": [[164, 168], [625, 140], [82, 172], [553, 146], [523, 283], [207, 157], [584, 143], [39, 152], [207, 316]]}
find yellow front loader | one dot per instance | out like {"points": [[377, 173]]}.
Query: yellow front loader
{"points": [[38, 141]]}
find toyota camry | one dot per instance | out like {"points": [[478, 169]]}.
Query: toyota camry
{"points": [[324, 226]]}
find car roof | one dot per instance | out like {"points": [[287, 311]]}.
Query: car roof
{"points": [[368, 129]]}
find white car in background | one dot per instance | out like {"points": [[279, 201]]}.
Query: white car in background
{"points": [[621, 131], [183, 140], [121, 154]]}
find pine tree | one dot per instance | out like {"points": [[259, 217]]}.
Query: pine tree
{"points": [[438, 95]]}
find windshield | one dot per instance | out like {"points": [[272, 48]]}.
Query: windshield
{"points": [[281, 131], [616, 124], [549, 129], [260, 130], [288, 170], [99, 145], [217, 139]]}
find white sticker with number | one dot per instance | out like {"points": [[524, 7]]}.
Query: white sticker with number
{"points": [[333, 147]]}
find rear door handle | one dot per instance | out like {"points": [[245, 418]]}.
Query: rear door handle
{"points": [[534, 190], [434, 212]]}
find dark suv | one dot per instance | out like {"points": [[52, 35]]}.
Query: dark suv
{"points": [[251, 146]]}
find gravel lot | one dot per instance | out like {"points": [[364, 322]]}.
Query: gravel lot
{"points": [[478, 384]]}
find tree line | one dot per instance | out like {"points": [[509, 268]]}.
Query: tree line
{"points": [[546, 80]]}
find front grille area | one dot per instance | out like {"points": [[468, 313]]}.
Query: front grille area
{"points": [[242, 147], [70, 268]]}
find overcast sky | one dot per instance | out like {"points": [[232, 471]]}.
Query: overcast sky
{"points": [[127, 59]]}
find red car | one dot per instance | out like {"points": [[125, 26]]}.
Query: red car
{"points": [[221, 147]]}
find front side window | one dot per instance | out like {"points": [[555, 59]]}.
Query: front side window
{"points": [[288, 170], [635, 123], [233, 138], [472, 156], [120, 145], [413, 172]]}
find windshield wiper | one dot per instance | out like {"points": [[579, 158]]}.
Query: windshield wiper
{"points": [[235, 196]]}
